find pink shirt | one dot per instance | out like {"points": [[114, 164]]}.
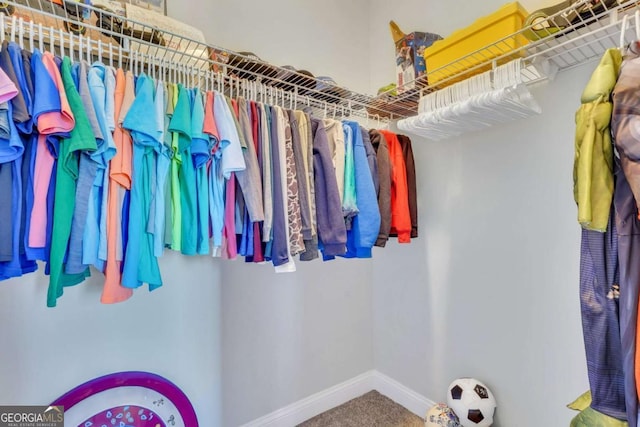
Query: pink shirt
{"points": [[7, 89], [49, 123]]}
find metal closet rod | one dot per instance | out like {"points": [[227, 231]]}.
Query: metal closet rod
{"points": [[162, 44]]}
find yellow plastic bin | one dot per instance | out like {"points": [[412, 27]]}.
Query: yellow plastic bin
{"points": [[479, 39]]}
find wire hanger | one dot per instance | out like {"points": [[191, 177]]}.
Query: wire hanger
{"points": [[32, 28], [623, 30], [21, 32]]}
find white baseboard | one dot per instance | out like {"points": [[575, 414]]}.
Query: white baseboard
{"points": [[318, 403]]}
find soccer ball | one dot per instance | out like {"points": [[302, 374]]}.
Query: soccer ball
{"points": [[472, 401], [441, 415]]}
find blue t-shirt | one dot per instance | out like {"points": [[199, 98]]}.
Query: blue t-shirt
{"points": [[140, 264]]}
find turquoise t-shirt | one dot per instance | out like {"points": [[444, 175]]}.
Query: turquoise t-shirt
{"points": [[181, 125], [140, 264], [201, 152]]}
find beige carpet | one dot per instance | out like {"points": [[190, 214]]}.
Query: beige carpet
{"points": [[369, 410]]}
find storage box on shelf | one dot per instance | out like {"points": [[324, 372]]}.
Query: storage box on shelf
{"points": [[487, 38]]}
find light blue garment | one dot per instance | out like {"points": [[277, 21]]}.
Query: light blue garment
{"points": [[85, 211], [163, 162], [200, 152], [216, 192], [366, 224], [140, 264], [94, 249], [232, 159]]}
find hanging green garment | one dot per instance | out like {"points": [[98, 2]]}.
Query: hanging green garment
{"points": [[81, 138], [593, 161]]}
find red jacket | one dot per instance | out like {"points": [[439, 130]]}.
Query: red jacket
{"points": [[400, 216]]}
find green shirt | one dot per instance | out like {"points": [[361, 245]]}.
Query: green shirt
{"points": [[81, 138]]}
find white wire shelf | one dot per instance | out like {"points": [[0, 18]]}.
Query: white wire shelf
{"points": [[560, 41], [583, 34]]}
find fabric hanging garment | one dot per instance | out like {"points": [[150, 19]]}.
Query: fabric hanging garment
{"points": [[349, 197], [201, 152], [163, 163], [366, 223], [29, 140], [169, 184], [181, 124], [11, 149], [592, 169], [21, 165], [267, 175], [294, 218], [249, 178], [400, 215], [85, 215], [302, 186], [332, 233], [336, 140], [258, 255], [120, 175], [280, 242], [628, 146], [599, 292], [80, 138], [306, 148], [384, 180], [140, 265], [215, 178], [407, 154]]}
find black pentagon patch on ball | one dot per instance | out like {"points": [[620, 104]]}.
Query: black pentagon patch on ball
{"points": [[475, 415], [456, 392], [481, 391]]}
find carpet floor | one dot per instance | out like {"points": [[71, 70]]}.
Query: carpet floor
{"points": [[369, 410]]}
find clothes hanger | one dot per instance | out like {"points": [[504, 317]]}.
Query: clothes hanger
{"points": [[51, 42], [623, 30], [32, 27], [40, 35], [62, 52], [13, 29], [72, 47], [21, 32]]}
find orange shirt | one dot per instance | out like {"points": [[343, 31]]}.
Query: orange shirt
{"points": [[120, 179], [400, 214]]}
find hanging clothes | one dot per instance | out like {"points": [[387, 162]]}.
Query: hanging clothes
{"points": [[593, 164], [102, 169], [625, 198], [80, 138], [379, 143]]}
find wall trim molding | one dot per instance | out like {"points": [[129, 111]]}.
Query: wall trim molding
{"points": [[317, 403]]}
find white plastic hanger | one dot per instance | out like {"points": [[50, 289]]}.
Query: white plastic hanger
{"points": [[623, 30]]}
